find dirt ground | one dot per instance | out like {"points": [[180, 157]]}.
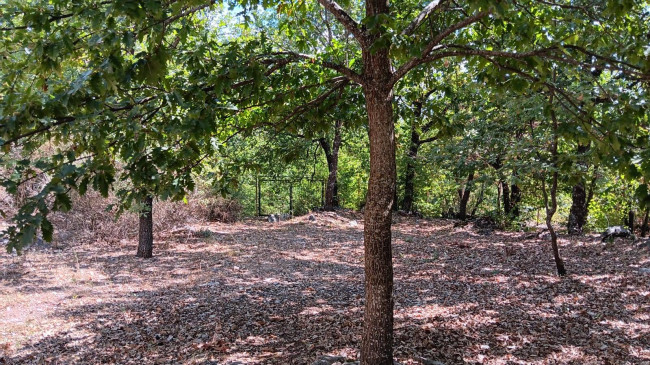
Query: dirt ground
{"points": [[287, 293]]}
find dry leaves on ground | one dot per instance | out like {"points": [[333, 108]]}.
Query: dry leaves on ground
{"points": [[290, 292]]}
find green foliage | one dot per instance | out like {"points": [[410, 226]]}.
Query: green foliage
{"points": [[141, 97]]}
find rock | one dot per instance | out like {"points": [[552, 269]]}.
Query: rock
{"points": [[274, 218], [353, 223], [616, 231], [312, 218], [644, 270], [329, 360]]}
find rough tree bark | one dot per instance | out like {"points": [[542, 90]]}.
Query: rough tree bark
{"points": [[332, 157], [463, 195], [579, 206], [515, 199], [377, 338], [145, 238], [644, 226], [578, 213]]}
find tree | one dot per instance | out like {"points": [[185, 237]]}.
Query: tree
{"points": [[109, 90], [332, 157], [386, 57], [581, 195], [550, 197], [431, 111], [515, 43]]}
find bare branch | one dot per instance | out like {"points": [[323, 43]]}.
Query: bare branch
{"points": [[345, 19], [420, 18]]}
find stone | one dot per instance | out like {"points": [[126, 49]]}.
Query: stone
{"points": [[616, 231], [312, 218], [329, 360], [272, 218], [353, 223]]}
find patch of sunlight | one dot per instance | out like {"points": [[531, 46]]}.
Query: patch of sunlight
{"points": [[433, 310], [256, 340], [311, 311]]}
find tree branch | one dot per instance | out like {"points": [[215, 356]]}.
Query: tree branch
{"points": [[350, 74], [314, 102], [420, 18], [345, 19], [435, 44]]}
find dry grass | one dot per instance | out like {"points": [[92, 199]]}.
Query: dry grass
{"points": [[90, 221], [287, 293]]}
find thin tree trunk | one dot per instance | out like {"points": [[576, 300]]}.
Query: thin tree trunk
{"points": [[550, 212], [592, 188], [507, 207], [631, 220], [499, 191], [377, 338], [552, 207], [145, 238], [332, 157], [409, 180], [644, 226], [479, 201], [464, 194]]}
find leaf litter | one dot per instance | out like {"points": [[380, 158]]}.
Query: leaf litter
{"points": [[292, 292]]}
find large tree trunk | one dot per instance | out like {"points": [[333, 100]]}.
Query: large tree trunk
{"points": [[332, 157], [145, 239], [377, 339], [579, 205], [644, 226], [463, 195], [409, 178], [578, 212]]}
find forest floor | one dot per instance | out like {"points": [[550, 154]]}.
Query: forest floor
{"points": [[288, 293]]}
